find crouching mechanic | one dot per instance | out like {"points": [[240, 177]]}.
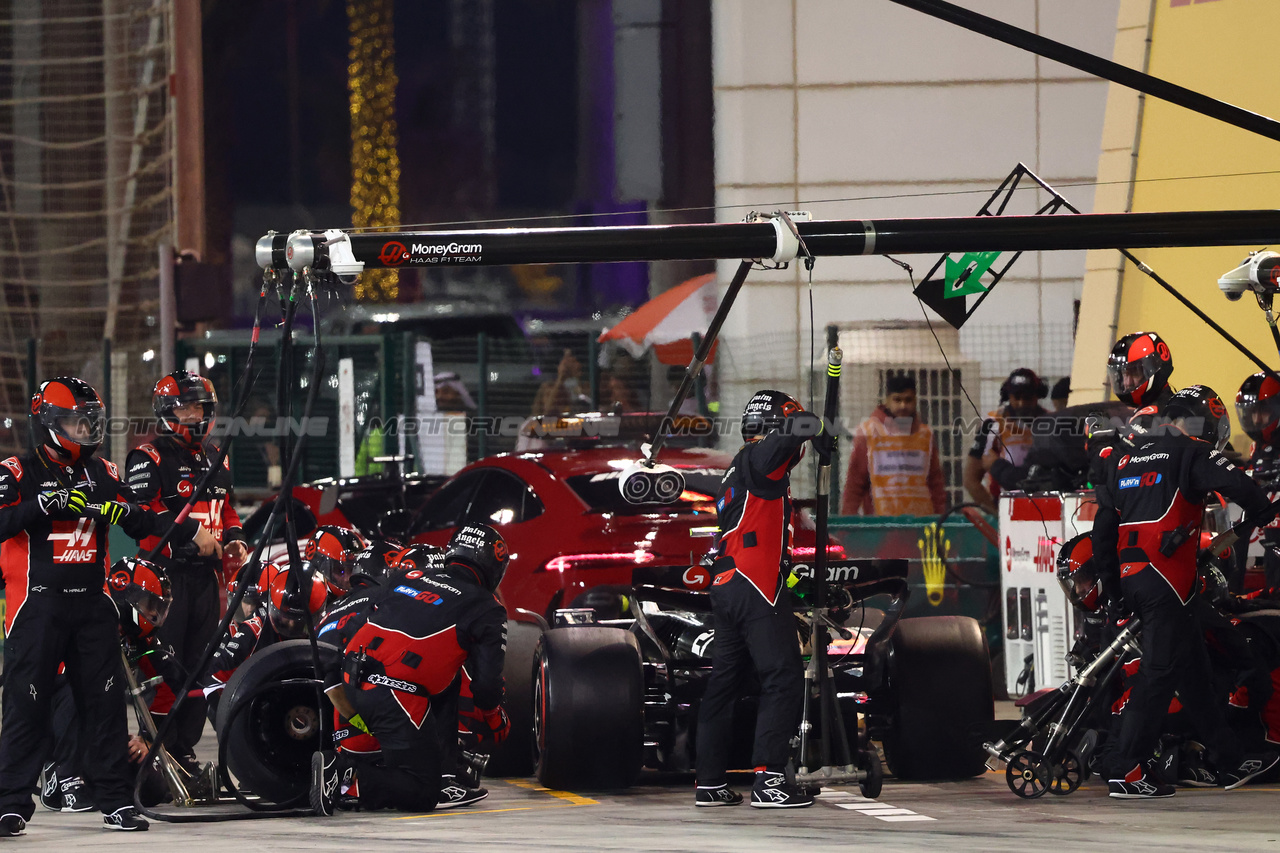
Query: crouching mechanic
{"points": [[755, 626], [56, 503], [400, 673], [1146, 536]]}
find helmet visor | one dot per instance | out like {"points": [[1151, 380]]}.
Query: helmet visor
{"points": [[1082, 587], [336, 572], [154, 608], [83, 425], [1128, 376], [1259, 416]]}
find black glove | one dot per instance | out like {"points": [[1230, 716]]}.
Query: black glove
{"points": [[63, 504], [824, 443]]}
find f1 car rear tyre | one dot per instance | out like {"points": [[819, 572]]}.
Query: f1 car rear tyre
{"points": [[268, 745], [588, 711], [514, 756], [940, 687]]}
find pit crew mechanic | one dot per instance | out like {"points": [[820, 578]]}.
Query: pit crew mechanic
{"points": [[400, 673], [55, 504], [1258, 407], [163, 475], [1145, 540], [755, 627], [1004, 434]]}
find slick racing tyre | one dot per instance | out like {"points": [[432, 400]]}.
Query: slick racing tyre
{"points": [[940, 690], [268, 735], [588, 712], [514, 756]]}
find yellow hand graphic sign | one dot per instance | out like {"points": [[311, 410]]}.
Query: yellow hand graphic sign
{"points": [[933, 550]]}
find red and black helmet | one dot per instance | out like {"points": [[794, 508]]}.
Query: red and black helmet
{"points": [[423, 558], [765, 413], [1201, 414], [67, 417], [1078, 575], [288, 601], [332, 551], [184, 388], [375, 562], [142, 595], [1139, 368], [1258, 406], [480, 548]]}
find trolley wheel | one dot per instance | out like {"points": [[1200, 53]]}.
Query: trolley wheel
{"points": [[870, 786], [1027, 775], [1066, 777]]}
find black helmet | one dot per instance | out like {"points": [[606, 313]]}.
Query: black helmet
{"points": [[142, 595], [1258, 405], [1203, 414], [1023, 381], [332, 551], [482, 549], [67, 417], [424, 558], [373, 563], [183, 388], [765, 413], [1078, 575], [1139, 368]]}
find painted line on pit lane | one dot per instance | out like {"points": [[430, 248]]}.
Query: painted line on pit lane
{"points": [[571, 798], [871, 808]]}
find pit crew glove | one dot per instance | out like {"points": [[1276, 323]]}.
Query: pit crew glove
{"points": [[114, 512], [824, 443], [63, 503], [492, 726], [358, 721]]}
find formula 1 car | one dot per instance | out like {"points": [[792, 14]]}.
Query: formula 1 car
{"points": [[617, 680]]}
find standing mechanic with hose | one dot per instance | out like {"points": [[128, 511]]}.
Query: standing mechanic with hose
{"points": [[755, 627], [1146, 537], [56, 503], [163, 475]]}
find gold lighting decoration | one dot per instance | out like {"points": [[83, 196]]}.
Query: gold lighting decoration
{"points": [[375, 164]]}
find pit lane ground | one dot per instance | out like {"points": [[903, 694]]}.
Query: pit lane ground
{"points": [[658, 815]]}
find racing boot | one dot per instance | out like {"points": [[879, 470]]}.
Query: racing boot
{"points": [[324, 783], [1254, 764], [348, 799], [11, 825], [1193, 770], [710, 796], [453, 795], [1143, 782], [50, 794], [125, 819], [75, 795], [772, 790]]}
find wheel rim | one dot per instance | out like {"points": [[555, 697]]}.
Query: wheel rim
{"points": [[1067, 776], [539, 712], [1027, 775]]}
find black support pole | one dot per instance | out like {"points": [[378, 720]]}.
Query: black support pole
{"points": [[829, 238]]}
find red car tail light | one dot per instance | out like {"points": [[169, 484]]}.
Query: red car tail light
{"points": [[807, 552], [566, 562]]}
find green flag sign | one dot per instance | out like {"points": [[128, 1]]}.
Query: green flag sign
{"points": [[965, 275]]}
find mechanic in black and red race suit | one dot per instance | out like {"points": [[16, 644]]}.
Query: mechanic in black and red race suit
{"points": [[755, 626], [282, 616], [400, 673], [163, 475], [56, 503], [1258, 407], [1145, 541]]}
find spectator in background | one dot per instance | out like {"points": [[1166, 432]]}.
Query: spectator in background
{"points": [[617, 386], [565, 394], [1060, 393], [894, 467], [1004, 434]]}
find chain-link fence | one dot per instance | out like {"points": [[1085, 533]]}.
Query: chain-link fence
{"points": [[86, 196]]}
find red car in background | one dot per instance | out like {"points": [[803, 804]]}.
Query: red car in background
{"points": [[568, 527]]}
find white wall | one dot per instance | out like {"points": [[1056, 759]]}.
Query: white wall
{"points": [[866, 109]]}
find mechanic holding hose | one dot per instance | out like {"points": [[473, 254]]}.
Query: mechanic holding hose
{"points": [[755, 627], [1145, 539], [56, 503]]}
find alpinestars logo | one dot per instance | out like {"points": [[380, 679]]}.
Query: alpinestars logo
{"points": [[393, 683], [773, 794], [1142, 786]]}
